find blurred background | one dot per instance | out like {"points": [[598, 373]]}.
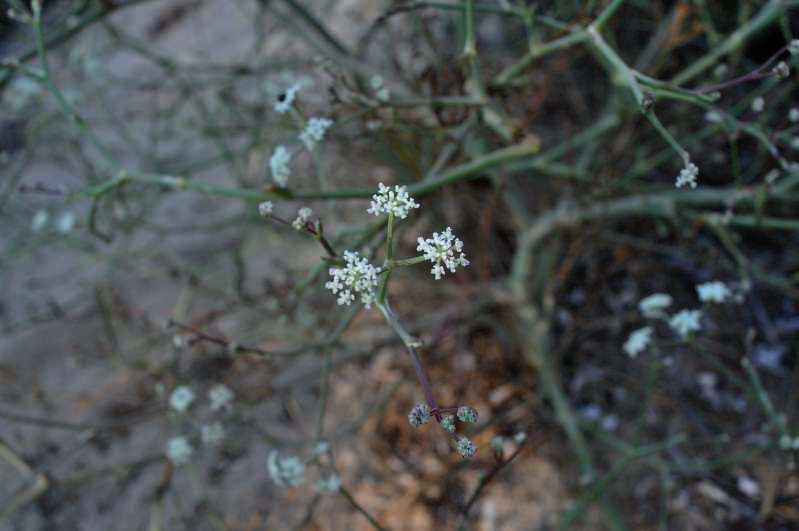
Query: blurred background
{"points": [[135, 145]]}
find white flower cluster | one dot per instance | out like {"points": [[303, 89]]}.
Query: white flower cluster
{"points": [[220, 396], [441, 250], [279, 164], [314, 132], [716, 291], [466, 447], [654, 305], [287, 100], [688, 175], [357, 276], [181, 398], [467, 414], [179, 451], [331, 484], [686, 321], [285, 471], [638, 341], [419, 415], [388, 201], [303, 215], [265, 208]]}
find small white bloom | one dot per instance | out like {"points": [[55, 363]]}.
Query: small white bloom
{"points": [[383, 94], [686, 321], [303, 215], [467, 414], [448, 423], [220, 396], [314, 132], [287, 100], [357, 276], [441, 250], [782, 70], [793, 47], [653, 305], [388, 201], [713, 292], [713, 117], [419, 415], [279, 164], [748, 486], [376, 82], [181, 398], [285, 471], [179, 451], [638, 341], [265, 208], [40, 220], [466, 447], [793, 115], [331, 484], [687, 176], [795, 143], [212, 433], [66, 223], [758, 104]]}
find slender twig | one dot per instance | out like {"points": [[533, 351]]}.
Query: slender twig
{"points": [[358, 507]]}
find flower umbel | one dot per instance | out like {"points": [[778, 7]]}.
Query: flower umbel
{"points": [[181, 398], [653, 305], [303, 215], [178, 450], [286, 100], [467, 414], [713, 292], [285, 471], [265, 208], [687, 176], [220, 397], [388, 201], [419, 415], [638, 341], [279, 164], [466, 447], [685, 322], [314, 132], [357, 276], [443, 249]]}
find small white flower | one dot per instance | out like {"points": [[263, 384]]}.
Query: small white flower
{"points": [[467, 414], [441, 250], [713, 292], [285, 471], [287, 100], [66, 223], [782, 70], [448, 423], [793, 115], [331, 484], [376, 82], [220, 396], [388, 201], [179, 451], [279, 164], [795, 143], [265, 208], [466, 447], [383, 94], [357, 276], [713, 117], [758, 104], [793, 47], [686, 321], [212, 433], [419, 415], [638, 341], [314, 132], [181, 398], [653, 305], [40, 220], [687, 176], [303, 215]]}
